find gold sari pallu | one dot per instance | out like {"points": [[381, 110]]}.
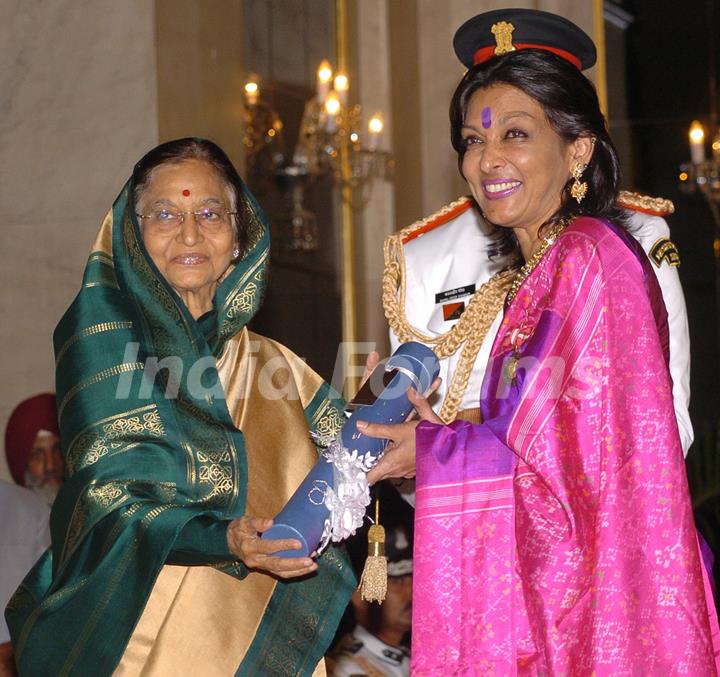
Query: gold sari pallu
{"points": [[198, 612]]}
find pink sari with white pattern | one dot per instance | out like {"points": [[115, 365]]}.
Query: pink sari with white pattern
{"points": [[557, 537]]}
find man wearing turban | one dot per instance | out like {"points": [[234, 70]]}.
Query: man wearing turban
{"points": [[32, 446], [33, 455]]}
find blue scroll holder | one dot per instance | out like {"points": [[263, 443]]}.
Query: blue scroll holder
{"points": [[303, 517]]}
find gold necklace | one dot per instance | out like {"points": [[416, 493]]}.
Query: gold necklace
{"points": [[466, 336], [535, 258]]}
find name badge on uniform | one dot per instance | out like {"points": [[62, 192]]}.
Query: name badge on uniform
{"points": [[453, 309]]}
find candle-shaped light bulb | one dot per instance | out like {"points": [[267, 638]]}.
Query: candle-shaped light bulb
{"points": [[332, 108], [375, 128], [341, 84], [697, 143], [375, 125], [324, 77], [252, 91], [332, 104]]}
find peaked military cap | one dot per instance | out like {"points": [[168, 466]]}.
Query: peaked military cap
{"points": [[506, 30]]}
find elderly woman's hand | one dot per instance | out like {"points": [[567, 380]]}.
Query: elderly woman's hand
{"points": [[244, 540], [399, 458]]}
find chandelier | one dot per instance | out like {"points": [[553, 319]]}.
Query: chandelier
{"points": [[262, 138], [330, 125], [332, 142]]}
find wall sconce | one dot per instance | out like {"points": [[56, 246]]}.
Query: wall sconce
{"points": [[701, 173], [262, 140], [331, 142], [330, 129]]}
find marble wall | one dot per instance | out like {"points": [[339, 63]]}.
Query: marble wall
{"points": [[87, 87], [200, 75], [78, 106]]}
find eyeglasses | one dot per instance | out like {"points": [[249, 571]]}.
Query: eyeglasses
{"points": [[210, 219]]}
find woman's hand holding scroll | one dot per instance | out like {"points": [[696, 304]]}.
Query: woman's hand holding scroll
{"points": [[245, 542], [399, 458]]}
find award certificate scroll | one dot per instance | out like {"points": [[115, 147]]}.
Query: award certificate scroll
{"points": [[330, 502]]}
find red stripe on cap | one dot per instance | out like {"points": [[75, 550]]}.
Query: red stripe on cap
{"points": [[485, 53]]}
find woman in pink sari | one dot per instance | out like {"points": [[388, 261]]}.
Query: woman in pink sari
{"points": [[557, 537]]}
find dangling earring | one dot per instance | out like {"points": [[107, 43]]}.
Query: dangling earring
{"points": [[579, 188], [236, 253]]}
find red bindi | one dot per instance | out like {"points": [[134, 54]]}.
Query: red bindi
{"points": [[186, 192]]}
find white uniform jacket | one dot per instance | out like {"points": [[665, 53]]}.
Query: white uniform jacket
{"points": [[448, 261]]}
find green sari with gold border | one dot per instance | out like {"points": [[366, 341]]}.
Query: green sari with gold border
{"points": [[153, 481]]}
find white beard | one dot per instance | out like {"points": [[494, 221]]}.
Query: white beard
{"points": [[47, 491]]}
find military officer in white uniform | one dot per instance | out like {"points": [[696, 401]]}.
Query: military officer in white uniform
{"points": [[446, 261], [443, 287]]}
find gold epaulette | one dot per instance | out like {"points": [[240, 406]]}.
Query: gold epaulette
{"points": [[655, 206], [440, 217]]}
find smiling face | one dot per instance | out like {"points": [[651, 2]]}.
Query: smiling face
{"points": [[190, 257], [515, 163]]}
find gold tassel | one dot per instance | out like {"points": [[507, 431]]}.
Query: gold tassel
{"points": [[373, 582]]}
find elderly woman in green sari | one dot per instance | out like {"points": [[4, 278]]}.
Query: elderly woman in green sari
{"points": [[180, 428]]}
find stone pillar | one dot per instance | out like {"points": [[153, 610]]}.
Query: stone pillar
{"points": [[373, 88]]}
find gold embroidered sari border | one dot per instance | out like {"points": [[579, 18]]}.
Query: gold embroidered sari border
{"points": [[118, 369], [99, 328]]}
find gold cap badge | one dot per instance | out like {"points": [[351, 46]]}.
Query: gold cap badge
{"points": [[502, 30]]}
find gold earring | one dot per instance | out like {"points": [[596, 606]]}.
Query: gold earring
{"points": [[579, 188]]}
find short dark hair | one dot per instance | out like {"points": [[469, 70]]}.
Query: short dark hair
{"points": [[191, 148], [572, 108]]}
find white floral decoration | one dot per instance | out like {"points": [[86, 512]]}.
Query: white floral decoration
{"points": [[348, 498]]}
